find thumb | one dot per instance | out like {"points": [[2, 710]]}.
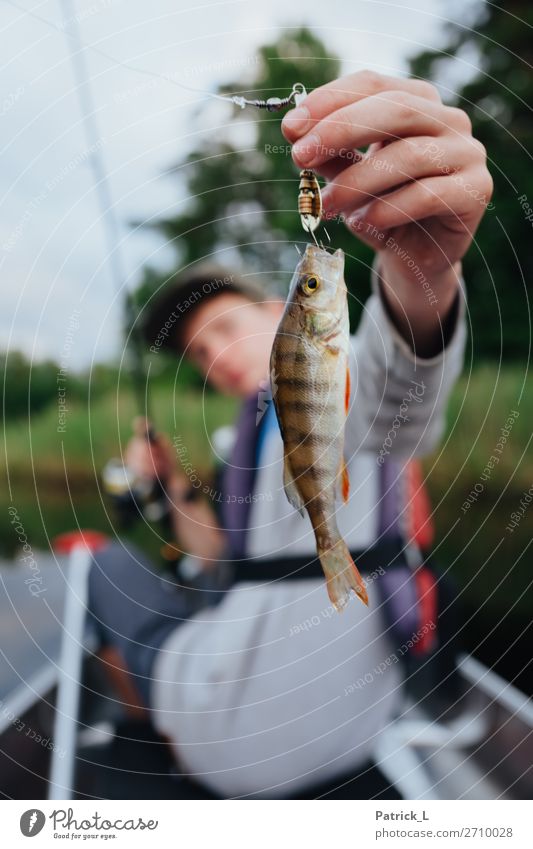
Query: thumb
{"points": [[143, 428]]}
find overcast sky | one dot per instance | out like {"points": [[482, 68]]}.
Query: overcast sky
{"points": [[53, 255]]}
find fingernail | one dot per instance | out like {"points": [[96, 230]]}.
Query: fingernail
{"points": [[297, 120], [305, 150]]}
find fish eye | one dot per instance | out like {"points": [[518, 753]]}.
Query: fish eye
{"points": [[311, 285]]}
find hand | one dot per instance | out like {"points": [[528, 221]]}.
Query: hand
{"points": [[423, 164], [150, 459], [417, 195], [194, 523]]}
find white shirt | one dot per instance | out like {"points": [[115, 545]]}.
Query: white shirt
{"points": [[272, 690]]}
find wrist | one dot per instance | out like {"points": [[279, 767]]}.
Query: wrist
{"points": [[415, 285], [422, 308]]}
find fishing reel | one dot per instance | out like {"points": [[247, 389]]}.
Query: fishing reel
{"points": [[134, 497]]}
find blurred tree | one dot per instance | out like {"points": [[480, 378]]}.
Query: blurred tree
{"points": [[241, 184], [497, 49], [27, 387]]}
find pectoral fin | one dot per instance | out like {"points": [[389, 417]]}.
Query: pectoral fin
{"points": [[344, 481], [291, 490], [347, 392]]}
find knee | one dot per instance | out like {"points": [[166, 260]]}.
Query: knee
{"points": [[106, 559], [109, 564]]}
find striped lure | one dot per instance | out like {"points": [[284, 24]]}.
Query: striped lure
{"points": [[309, 368], [309, 200]]}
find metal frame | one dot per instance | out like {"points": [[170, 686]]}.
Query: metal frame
{"points": [[69, 676]]}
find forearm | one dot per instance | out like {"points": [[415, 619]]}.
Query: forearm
{"points": [[398, 397], [420, 303], [195, 524]]}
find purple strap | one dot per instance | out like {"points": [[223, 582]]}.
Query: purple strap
{"points": [[239, 477], [397, 586], [389, 499]]}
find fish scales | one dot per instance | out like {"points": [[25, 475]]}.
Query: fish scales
{"points": [[310, 381]]}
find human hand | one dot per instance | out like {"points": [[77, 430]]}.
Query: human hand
{"points": [[419, 192], [150, 458], [410, 174]]}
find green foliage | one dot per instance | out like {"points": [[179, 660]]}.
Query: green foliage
{"points": [[30, 387], [23, 385], [499, 267]]}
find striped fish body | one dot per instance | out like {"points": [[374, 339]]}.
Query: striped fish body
{"points": [[310, 383]]}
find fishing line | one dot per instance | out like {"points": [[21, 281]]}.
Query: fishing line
{"points": [[271, 104]]}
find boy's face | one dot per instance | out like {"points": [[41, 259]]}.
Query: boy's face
{"points": [[229, 338]]}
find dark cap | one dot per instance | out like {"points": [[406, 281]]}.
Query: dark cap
{"points": [[164, 319]]}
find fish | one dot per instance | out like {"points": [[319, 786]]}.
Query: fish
{"points": [[310, 380]]}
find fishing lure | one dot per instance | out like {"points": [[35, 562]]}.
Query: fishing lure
{"points": [[273, 104], [309, 200], [309, 195]]}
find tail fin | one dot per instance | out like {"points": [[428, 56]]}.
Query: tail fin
{"points": [[342, 575]]}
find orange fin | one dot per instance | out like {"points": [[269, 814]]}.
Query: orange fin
{"points": [[347, 391], [342, 576], [345, 481]]}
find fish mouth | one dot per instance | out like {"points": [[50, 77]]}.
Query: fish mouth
{"points": [[318, 261], [315, 254]]}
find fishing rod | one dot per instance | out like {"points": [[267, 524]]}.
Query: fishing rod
{"points": [[131, 494]]}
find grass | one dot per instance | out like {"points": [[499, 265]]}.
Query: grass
{"points": [[488, 562], [95, 432], [479, 408]]}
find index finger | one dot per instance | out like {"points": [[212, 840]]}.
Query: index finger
{"points": [[344, 91]]}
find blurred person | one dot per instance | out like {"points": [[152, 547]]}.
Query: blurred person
{"points": [[255, 691]]}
